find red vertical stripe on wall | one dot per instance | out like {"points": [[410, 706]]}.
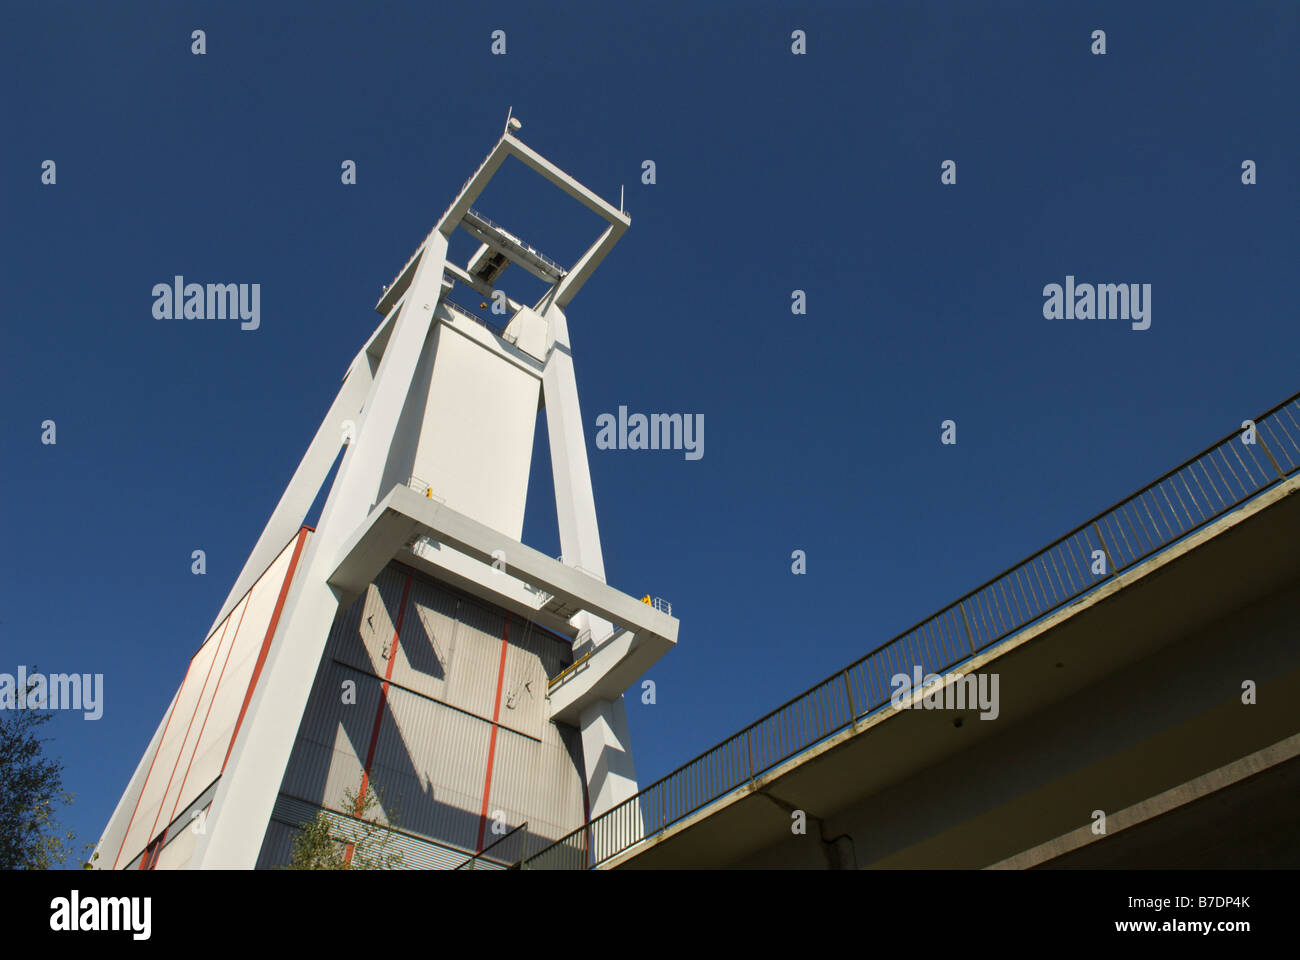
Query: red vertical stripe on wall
{"points": [[492, 743], [204, 725], [383, 703], [185, 739], [266, 642], [161, 741]]}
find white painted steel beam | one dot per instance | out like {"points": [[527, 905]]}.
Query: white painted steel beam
{"points": [[607, 751], [572, 282], [247, 790], [305, 485], [611, 775], [404, 515], [575, 503]]}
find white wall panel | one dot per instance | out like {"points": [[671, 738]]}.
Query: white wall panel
{"points": [[476, 441], [229, 696], [182, 763], [154, 811], [176, 854], [205, 670], [111, 841]]}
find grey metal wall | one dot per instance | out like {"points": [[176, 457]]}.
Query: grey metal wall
{"points": [[416, 854], [429, 745]]}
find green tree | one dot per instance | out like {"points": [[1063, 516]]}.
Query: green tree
{"points": [[322, 843], [31, 791]]}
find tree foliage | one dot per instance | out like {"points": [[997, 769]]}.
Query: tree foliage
{"points": [[323, 842], [31, 791]]}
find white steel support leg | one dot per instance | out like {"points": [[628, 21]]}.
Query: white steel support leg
{"points": [[575, 503], [246, 793], [606, 748], [611, 775], [301, 493]]}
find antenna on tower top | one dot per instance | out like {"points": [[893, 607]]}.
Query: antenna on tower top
{"points": [[512, 122]]}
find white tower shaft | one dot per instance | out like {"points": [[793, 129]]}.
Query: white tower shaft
{"points": [[436, 419]]}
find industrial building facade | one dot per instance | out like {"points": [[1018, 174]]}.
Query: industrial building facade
{"points": [[460, 740], [431, 694]]}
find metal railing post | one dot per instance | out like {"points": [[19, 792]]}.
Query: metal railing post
{"points": [[1269, 453], [970, 637], [1110, 558]]}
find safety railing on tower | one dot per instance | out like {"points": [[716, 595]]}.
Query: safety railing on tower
{"points": [[581, 569], [1227, 474], [467, 312], [423, 488], [523, 243]]}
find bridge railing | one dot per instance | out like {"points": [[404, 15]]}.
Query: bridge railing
{"points": [[1187, 498]]}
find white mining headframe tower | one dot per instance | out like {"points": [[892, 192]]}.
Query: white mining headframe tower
{"points": [[411, 641]]}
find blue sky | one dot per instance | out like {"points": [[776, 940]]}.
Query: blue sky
{"points": [[775, 172]]}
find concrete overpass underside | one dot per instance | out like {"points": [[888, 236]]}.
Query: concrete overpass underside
{"points": [[1127, 703]]}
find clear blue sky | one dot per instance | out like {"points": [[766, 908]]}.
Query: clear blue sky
{"points": [[775, 172]]}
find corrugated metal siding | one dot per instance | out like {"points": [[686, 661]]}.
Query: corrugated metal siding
{"points": [[553, 653], [277, 847], [537, 784], [523, 689], [430, 761], [450, 649], [472, 683], [426, 656], [344, 643], [425, 855], [333, 737], [362, 636]]}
